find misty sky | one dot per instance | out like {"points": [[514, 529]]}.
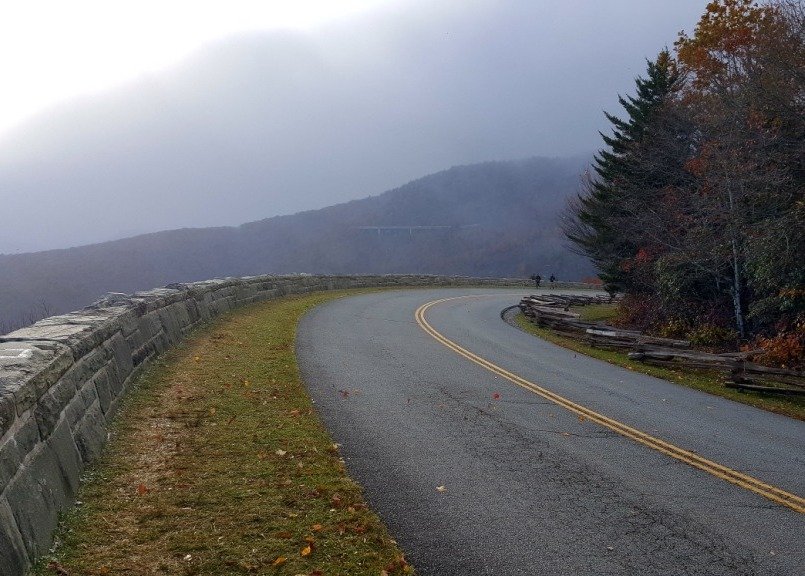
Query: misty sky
{"points": [[271, 121]]}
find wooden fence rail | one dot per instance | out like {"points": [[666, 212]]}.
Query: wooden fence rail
{"points": [[553, 311]]}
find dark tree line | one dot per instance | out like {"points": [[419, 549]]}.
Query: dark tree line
{"points": [[696, 207]]}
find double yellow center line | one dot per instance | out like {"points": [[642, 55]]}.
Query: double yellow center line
{"points": [[733, 476]]}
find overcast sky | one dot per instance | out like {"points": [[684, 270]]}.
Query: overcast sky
{"points": [[122, 118]]}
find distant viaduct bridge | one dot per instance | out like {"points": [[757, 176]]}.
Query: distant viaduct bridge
{"points": [[380, 230]]}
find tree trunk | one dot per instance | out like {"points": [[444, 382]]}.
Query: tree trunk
{"points": [[736, 292], [736, 272]]}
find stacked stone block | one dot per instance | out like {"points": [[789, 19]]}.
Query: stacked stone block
{"points": [[63, 378]]}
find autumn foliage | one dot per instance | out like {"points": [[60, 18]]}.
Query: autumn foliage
{"points": [[696, 207]]}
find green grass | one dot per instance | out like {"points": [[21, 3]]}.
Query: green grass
{"points": [[706, 381], [596, 312], [219, 465]]}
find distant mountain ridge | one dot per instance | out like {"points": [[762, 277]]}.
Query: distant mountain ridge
{"points": [[489, 219]]}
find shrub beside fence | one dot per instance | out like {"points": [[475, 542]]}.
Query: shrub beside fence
{"points": [[553, 311]]}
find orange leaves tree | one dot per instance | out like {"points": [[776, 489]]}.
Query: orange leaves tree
{"points": [[745, 93], [729, 234]]}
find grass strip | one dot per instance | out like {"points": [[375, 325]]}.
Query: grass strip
{"points": [[596, 312], [218, 464], [704, 380]]}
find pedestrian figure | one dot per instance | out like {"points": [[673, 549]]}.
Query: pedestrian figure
{"points": [[553, 278], [537, 279]]}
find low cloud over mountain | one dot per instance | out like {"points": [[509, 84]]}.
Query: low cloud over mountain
{"points": [[490, 219]]}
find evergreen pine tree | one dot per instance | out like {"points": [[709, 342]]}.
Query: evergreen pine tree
{"points": [[644, 155]]}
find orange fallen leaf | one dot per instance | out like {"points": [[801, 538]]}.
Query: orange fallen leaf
{"points": [[142, 489], [316, 527], [306, 551], [279, 561]]}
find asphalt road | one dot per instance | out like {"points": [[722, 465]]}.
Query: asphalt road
{"points": [[528, 486]]}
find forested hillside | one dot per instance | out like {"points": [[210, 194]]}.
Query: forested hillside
{"points": [[490, 219], [697, 206]]}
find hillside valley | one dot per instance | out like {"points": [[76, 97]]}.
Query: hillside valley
{"points": [[488, 219]]}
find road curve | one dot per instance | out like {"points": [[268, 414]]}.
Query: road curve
{"points": [[530, 487]]}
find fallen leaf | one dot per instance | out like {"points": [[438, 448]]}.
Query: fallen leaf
{"points": [[280, 452], [306, 551], [582, 418], [197, 358], [496, 396], [316, 527], [142, 489], [441, 488], [279, 561], [212, 411]]}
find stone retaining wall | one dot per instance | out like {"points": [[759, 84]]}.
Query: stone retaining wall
{"points": [[62, 379]]}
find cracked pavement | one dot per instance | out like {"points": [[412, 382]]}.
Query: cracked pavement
{"points": [[530, 488]]}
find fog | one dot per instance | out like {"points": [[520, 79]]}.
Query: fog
{"points": [[277, 122]]}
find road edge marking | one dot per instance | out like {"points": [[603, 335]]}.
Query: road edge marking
{"points": [[745, 481]]}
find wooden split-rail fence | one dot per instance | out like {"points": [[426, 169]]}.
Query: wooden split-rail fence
{"points": [[553, 311]]}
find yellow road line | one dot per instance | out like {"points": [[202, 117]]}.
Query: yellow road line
{"points": [[733, 476]]}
